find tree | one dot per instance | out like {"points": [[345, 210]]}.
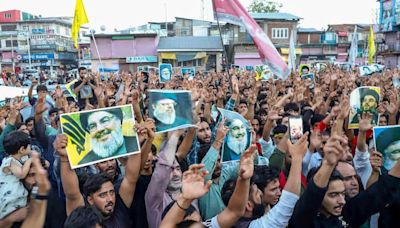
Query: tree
{"points": [[264, 6]]}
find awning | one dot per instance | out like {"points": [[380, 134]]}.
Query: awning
{"points": [[200, 55], [168, 55], [285, 51], [182, 57]]}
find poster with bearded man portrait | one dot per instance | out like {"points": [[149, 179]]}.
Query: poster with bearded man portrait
{"points": [[99, 135], [364, 99], [238, 137], [170, 109]]}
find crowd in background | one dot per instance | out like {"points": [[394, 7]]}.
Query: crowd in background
{"points": [[331, 177]]}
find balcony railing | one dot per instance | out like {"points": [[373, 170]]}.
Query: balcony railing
{"points": [[393, 47]]}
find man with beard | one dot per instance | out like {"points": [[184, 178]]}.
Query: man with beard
{"points": [[107, 140], [84, 88], [388, 142], [165, 184], [237, 140], [165, 114], [323, 203], [257, 212], [369, 101], [204, 137], [111, 169], [98, 189], [211, 204]]}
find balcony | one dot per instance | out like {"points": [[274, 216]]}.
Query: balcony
{"points": [[393, 47], [8, 33]]}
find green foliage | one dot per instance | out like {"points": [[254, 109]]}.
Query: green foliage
{"points": [[264, 6]]}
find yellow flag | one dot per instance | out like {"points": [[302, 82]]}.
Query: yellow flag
{"points": [[80, 18], [371, 46]]}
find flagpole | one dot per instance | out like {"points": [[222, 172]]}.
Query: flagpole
{"points": [[223, 47], [97, 49]]}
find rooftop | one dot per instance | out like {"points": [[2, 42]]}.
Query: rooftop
{"points": [[309, 30], [275, 16], [123, 35], [190, 43]]}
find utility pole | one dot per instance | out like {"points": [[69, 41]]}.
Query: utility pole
{"points": [[28, 39], [12, 54]]}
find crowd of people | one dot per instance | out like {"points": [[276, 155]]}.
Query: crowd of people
{"points": [[331, 176]]}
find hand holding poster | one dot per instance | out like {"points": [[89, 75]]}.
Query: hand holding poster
{"points": [[263, 73], [364, 99], [165, 72], [304, 69], [369, 70], [238, 137], [171, 109], [396, 81], [310, 77], [99, 135], [189, 71], [387, 142]]}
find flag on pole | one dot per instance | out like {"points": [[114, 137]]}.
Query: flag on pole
{"points": [[371, 46], [80, 18], [292, 52], [353, 48], [233, 12]]}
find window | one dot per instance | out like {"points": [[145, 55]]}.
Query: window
{"points": [[14, 43], [7, 15], [8, 28], [280, 33], [25, 28]]}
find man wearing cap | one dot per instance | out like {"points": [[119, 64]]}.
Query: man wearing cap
{"points": [[164, 113], [388, 143], [106, 138], [237, 140], [369, 100], [165, 74]]}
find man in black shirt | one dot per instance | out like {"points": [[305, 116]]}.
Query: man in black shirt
{"points": [[84, 88], [323, 203], [99, 189]]}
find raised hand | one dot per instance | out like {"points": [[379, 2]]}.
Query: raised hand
{"points": [[344, 109], [299, 149], [221, 131], [376, 161], [334, 149], [247, 162], [41, 106], [42, 181], [60, 145], [273, 114], [99, 91], [235, 85], [253, 99], [193, 185], [365, 121], [141, 132], [150, 125]]}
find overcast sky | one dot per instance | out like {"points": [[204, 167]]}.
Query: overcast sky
{"points": [[127, 13]]}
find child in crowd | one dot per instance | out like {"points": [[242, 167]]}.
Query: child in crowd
{"points": [[14, 168]]}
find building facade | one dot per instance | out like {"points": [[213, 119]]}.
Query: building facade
{"points": [[124, 52], [389, 26], [278, 26], [31, 41], [202, 52]]}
